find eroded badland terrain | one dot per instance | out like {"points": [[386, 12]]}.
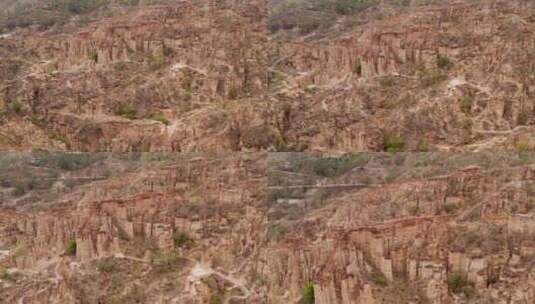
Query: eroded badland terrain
{"points": [[304, 75], [267, 151], [258, 228]]}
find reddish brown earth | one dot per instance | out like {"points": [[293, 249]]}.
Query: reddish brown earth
{"points": [[256, 228], [219, 76]]}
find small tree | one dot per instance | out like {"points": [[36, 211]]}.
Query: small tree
{"points": [[444, 62], [127, 111], [357, 68], [394, 143], [182, 239], [308, 294], [458, 283], [71, 247]]}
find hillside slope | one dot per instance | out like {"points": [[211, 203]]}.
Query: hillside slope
{"points": [[330, 75]]}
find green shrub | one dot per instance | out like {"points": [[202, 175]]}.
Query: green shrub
{"points": [[378, 278], [4, 274], [429, 78], [166, 258], [308, 294], [466, 104], [216, 299], [73, 161], [522, 118], [346, 7], [156, 62], [393, 143], [71, 247], [120, 66], [449, 208], [458, 283], [106, 266], [523, 146], [182, 239], [161, 118], [167, 51], [357, 68], [233, 93], [16, 107], [127, 111], [422, 146], [444, 62], [93, 56], [330, 166]]}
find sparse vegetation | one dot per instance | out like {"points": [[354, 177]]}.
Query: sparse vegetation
{"points": [[93, 56], [308, 16], [393, 143], [308, 294], [523, 146], [233, 93], [127, 111], [106, 266], [47, 13], [166, 258], [458, 283], [430, 78], [70, 249], [422, 146], [444, 62], [4, 274], [216, 299], [357, 68], [466, 104], [378, 278], [182, 240], [329, 166], [161, 118]]}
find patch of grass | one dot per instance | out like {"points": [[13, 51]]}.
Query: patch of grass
{"points": [[73, 161], [276, 232], [523, 146], [93, 56], [308, 294], [16, 107], [182, 240], [4, 274], [449, 208], [393, 143], [120, 66], [378, 279], [458, 283], [357, 68], [233, 93], [127, 111], [216, 299], [161, 118], [444, 62], [330, 166], [106, 266], [70, 249], [429, 78], [156, 62], [166, 258], [466, 104], [522, 118], [422, 146]]}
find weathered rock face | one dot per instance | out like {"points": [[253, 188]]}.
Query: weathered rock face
{"points": [[438, 75], [409, 239], [209, 76], [202, 205], [175, 62], [363, 228]]}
